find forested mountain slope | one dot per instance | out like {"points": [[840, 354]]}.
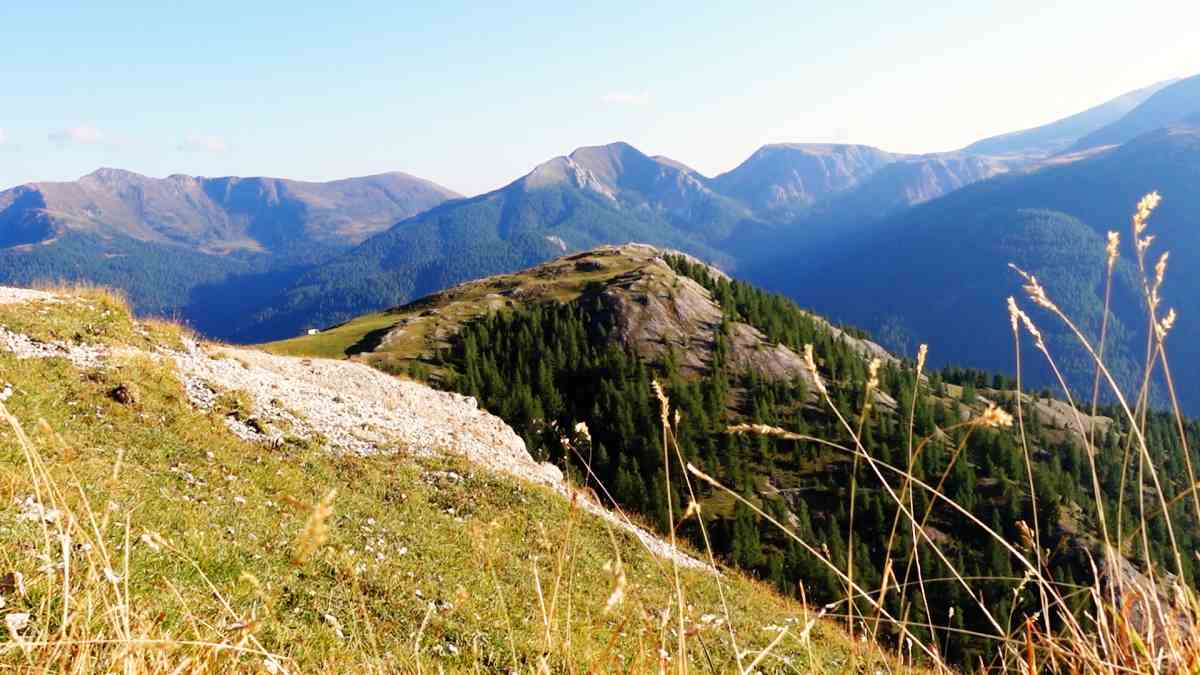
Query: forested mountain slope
{"points": [[939, 274], [610, 195], [1168, 106], [580, 338], [174, 506], [198, 248], [606, 194]]}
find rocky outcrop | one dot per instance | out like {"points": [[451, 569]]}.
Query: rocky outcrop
{"points": [[655, 311]]}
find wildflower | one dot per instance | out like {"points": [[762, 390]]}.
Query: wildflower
{"points": [[922, 352], [873, 374]]}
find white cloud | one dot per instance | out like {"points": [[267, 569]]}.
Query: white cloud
{"points": [[84, 134], [626, 97], [3, 136], [205, 143]]}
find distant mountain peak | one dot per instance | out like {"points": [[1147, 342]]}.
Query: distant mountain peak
{"points": [[609, 162], [1175, 103], [215, 215], [786, 179], [107, 174], [614, 148], [814, 148], [1056, 136], [617, 169]]}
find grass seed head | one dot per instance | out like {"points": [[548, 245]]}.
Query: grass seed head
{"points": [[315, 533], [1144, 208], [995, 418], [810, 362]]}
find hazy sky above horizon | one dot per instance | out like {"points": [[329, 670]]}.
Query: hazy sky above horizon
{"points": [[473, 97]]}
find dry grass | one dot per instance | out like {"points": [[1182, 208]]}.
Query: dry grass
{"points": [[144, 537], [1131, 623]]}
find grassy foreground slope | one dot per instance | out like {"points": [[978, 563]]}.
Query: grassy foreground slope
{"points": [[138, 533]]}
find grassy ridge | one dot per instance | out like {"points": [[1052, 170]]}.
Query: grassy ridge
{"points": [[188, 547]]}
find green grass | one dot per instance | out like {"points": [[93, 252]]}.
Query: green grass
{"points": [[429, 564], [423, 332], [334, 342], [88, 315]]}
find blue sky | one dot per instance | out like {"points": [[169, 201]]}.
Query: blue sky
{"points": [[473, 96]]}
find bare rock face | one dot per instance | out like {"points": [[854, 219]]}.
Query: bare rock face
{"points": [[656, 312], [1152, 608]]}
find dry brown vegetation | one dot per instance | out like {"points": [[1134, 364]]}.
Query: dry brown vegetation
{"points": [[1133, 621]]}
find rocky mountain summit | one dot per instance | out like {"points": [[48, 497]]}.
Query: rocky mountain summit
{"points": [[654, 311]]}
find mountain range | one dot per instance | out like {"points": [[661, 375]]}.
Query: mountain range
{"points": [[194, 247], [214, 215], [611, 194], [1059, 135], [944, 280], [904, 245]]}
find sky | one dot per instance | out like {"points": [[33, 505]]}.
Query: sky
{"points": [[473, 95]]}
